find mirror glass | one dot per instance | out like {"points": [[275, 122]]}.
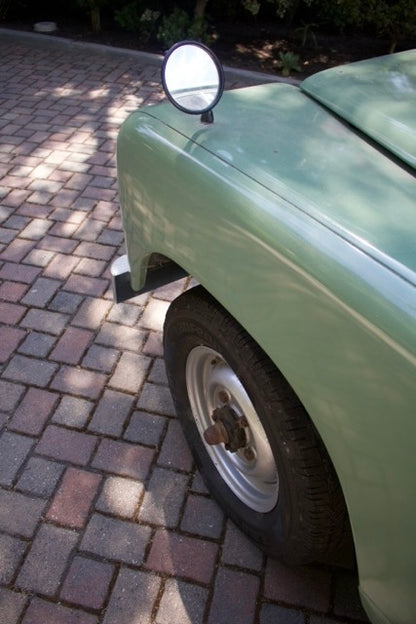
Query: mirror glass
{"points": [[192, 77]]}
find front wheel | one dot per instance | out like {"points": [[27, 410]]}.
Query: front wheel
{"points": [[251, 438]]}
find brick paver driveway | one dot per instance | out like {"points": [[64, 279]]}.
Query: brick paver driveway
{"points": [[102, 516]]}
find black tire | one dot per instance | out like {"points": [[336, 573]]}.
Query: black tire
{"points": [[299, 519]]}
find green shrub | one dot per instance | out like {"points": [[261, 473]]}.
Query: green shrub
{"points": [[134, 17]]}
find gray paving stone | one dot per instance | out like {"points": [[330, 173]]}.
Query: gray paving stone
{"points": [[47, 559], [54, 322], [10, 394], [11, 553], [145, 428], [43, 612], [19, 514], [13, 452], [112, 410], [41, 292], [120, 497], [65, 302], [164, 497], [73, 412], [239, 550], [133, 598], [11, 605], [182, 602], [116, 539], [40, 476], [37, 344], [230, 603], [30, 371], [156, 398], [270, 614]]}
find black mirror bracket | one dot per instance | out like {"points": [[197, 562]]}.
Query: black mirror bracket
{"points": [[207, 117]]}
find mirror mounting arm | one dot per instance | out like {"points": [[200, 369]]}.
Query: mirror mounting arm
{"points": [[207, 117]]}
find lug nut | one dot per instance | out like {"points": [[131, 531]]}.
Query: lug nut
{"points": [[216, 434]]}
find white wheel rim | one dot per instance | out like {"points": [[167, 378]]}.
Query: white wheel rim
{"points": [[250, 472]]}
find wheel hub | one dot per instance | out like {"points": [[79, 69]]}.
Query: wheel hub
{"points": [[228, 429]]}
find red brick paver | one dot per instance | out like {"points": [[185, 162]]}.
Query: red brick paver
{"points": [[103, 518]]}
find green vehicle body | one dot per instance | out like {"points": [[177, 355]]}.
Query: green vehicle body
{"points": [[304, 229]]}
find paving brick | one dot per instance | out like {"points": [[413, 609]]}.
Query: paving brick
{"points": [[11, 605], [124, 459], [95, 250], [11, 313], [65, 445], [202, 516], [238, 550], [182, 602], [120, 337], [61, 266], [86, 285], [11, 553], [89, 230], [117, 540], [73, 412], [92, 313], [19, 272], [125, 313], [16, 251], [39, 257], [57, 243], [182, 556], [41, 320], [30, 370], [37, 344], [175, 452], [87, 583], [71, 345], [198, 485], [65, 302], [74, 497], [47, 559], [10, 337], [229, 603], [10, 394], [101, 358], [154, 314], [79, 381], [120, 497], [40, 476], [41, 292], [154, 344], [111, 413], [133, 598], [270, 614], [145, 428], [164, 498], [156, 398], [36, 229], [14, 449], [130, 372], [40, 611], [19, 514], [33, 412], [12, 291], [93, 268], [307, 587], [157, 373]]}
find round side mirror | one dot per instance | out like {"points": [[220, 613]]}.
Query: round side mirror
{"points": [[193, 78]]}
